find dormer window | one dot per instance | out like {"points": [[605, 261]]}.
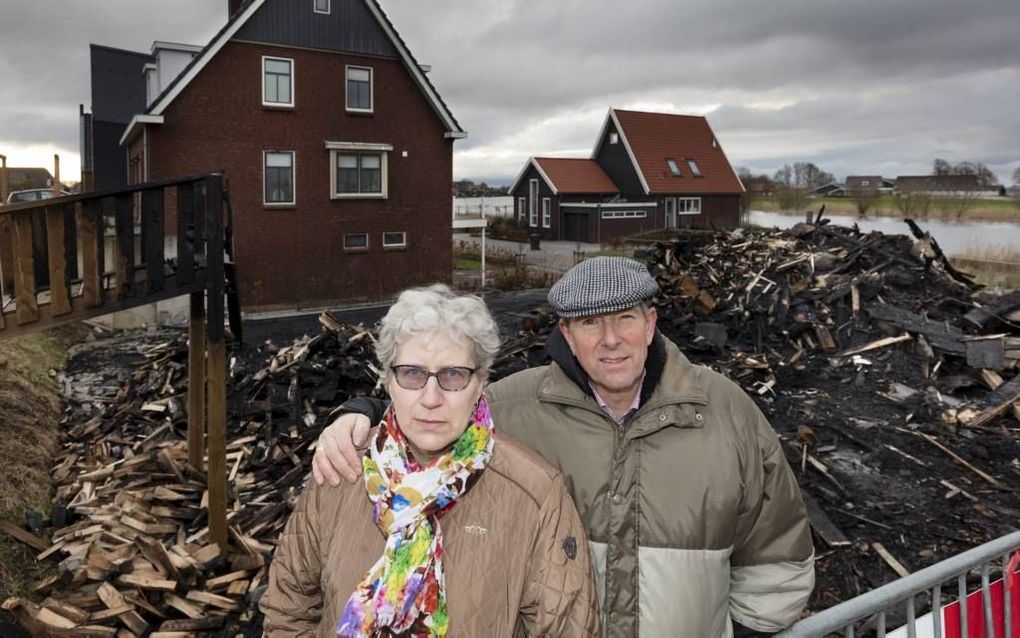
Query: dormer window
{"points": [[359, 89], [691, 164], [674, 168], [321, 6], [614, 138]]}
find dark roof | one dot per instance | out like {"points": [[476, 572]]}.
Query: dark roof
{"points": [[912, 183], [241, 11], [572, 175], [652, 138]]}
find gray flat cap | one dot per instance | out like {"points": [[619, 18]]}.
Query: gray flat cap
{"points": [[600, 285]]}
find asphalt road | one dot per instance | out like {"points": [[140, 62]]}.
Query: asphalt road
{"points": [[508, 308]]}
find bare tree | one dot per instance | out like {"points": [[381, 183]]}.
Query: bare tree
{"points": [[914, 204], [864, 200]]}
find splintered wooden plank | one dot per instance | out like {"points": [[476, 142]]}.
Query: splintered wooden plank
{"points": [[124, 247], [823, 525], [60, 290], [24, 536], [90, 229], [24, 268], [152, 225]]}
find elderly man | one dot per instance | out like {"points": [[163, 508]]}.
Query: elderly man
{"points": [[696, 523]]}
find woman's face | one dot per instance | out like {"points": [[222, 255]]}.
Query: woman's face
{"points": [[431, 418]]}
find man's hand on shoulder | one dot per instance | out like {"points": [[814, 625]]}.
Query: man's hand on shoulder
{"points": [[337, 452]]}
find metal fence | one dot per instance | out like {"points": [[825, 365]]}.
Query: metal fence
{"points": [[988, 558]]}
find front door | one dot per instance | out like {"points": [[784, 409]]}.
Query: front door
{"points": [[671, 212]]}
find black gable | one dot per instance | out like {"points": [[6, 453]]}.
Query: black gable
{"points": [[349, 27]]}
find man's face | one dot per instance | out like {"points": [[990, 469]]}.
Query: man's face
{"points": [[612, 348]]}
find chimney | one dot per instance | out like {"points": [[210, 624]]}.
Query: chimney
{"points": [[232, 7]]}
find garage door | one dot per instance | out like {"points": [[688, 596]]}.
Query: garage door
{"points": [[575, 227]]}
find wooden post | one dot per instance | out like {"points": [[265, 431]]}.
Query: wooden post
{"points": [[217, 380], [6, 239], [60, 293], [24, 268], [56, 175], [196, 381]]}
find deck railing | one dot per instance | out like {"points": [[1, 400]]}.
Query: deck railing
{"points": [[80, 256]]}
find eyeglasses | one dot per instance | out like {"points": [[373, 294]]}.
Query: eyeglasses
{"points": [[451, 379]]}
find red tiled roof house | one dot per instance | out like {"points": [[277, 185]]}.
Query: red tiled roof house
{"points": [[336, 148], [647, 171]]}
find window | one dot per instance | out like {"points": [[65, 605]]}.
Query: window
{"points": [[546, 212], [395, 239], [278, 177], [674, 169], [278, 81], [614, 138], [321, 6], [359, 89], [623, 214], [865, 182], [533, 203], [688, 205], [691, 164], [359, 174], [356, 241], [522, 208]]}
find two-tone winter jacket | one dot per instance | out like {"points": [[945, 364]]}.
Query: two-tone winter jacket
{"points": [[694, 516], [515, 559]]}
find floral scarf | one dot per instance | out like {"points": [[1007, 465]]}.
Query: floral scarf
{"points": [[404, 591]]}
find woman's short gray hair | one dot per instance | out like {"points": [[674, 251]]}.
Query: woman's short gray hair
{"points": [[438, 310]]}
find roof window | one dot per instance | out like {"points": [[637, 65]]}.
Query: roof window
{"points": [[674, 168], [691, 164]]}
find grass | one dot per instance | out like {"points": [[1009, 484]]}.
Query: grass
{"points": [[995, 266], [1000, 210], [29, 412]]}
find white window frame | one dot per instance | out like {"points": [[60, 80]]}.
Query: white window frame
{"points": [[315, 7], [533, 203], [688, 206], [614, 137], [692, 165], [522, 208], [546, 212], [340, 148], [293, 177], [293, 84], [391, 246], [371, 89], [356, 249], [674, 168], [623, 214]]}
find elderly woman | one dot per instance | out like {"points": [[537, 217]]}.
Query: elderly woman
{"points": [[454, 530]]}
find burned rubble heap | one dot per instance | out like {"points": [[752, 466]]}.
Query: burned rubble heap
{"points": [[892, 387], [128, 531]]}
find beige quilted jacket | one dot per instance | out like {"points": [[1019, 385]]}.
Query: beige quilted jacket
{"points": [[516, 557]]}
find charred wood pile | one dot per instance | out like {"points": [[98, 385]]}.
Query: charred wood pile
{"points": [[128, 533], [892, 381]]}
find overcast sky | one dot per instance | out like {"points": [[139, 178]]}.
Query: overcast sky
{"points": [[855, 86]]}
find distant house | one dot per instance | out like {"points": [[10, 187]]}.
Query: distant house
{"points": [[336, 148], [946, 186], [863, 185], [647, 171], [20, 179]]}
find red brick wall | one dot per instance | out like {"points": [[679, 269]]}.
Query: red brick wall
{"points": [[292, 257]]}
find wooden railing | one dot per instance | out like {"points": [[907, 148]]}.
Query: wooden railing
{"points": [[80, 256]]}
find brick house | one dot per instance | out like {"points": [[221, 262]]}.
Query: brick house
{"points": [[647, 171], [337, 149]]}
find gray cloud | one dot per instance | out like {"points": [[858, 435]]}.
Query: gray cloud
{"points": [[857, 87]]}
